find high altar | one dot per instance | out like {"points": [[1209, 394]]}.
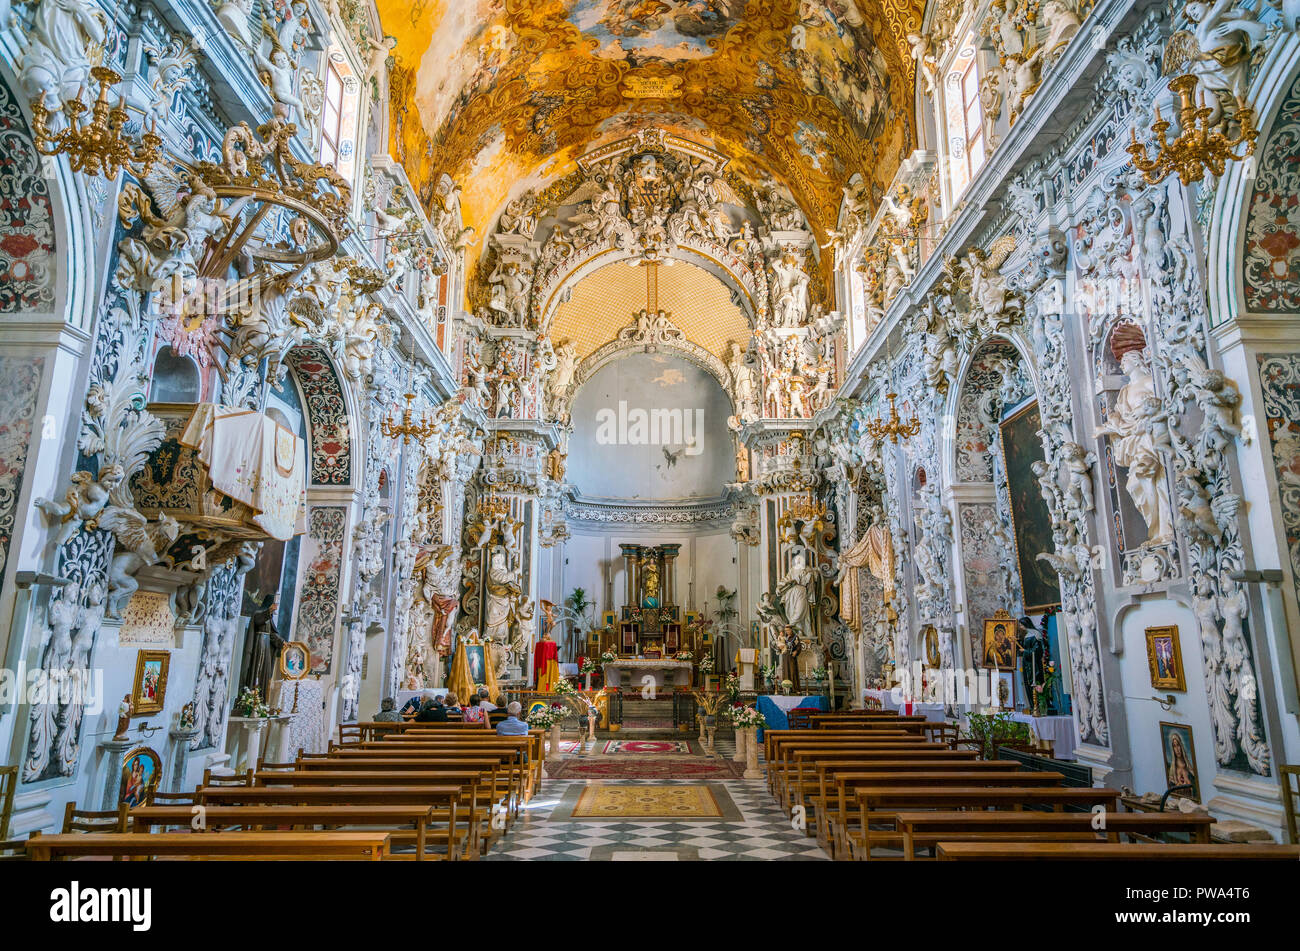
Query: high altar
{"points": [[649, 630]]}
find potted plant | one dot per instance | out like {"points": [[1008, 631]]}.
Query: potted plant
{"points": [[992, 730]]}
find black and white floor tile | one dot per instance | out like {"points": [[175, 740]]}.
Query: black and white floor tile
{"points": [[764, 833]]}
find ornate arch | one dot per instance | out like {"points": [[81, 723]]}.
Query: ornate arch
{"points": [[329, 432], [619, 348]]}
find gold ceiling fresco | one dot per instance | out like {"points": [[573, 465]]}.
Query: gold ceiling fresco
{"points": [[604, 302], [504, 94]]}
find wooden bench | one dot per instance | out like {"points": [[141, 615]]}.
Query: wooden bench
{"points": [[795, 760], [835, 817], [1113, 852], [392, 818], [230, 845], [881, 804], [780, 758], [927, 829]]}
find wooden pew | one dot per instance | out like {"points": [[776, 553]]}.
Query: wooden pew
{"points": [[778, 756], [391, 818], [880, 804], [800, 764], [329, 846], [927, 829], [470, 808], [835, 816], [1113, 852]]}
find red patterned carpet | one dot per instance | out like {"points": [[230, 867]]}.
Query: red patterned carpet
{"points": [[644, 767], [651, 747]]}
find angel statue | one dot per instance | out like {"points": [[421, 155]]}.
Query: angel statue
{"points": [[82, 503], [140, 543], [1217, 51]]}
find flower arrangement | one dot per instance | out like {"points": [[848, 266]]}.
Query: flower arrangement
{"points": [[685, 655], [547, 717], [589, 665], [250, 704], [786, 686], [564, 688], [743, 717], [731, 685], [608, 657], [819, 674], [768, 671], [706, 664], [1043, 691]]}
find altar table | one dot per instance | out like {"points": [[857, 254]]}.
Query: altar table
{"points": [[1058, 730], [931, 711], [774, 707], [631, 671]]}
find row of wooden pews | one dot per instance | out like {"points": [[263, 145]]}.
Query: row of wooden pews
{"points": [[873, 784], [410, 791]]}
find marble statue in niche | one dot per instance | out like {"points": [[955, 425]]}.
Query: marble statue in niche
{"points": [[1134, 448]]}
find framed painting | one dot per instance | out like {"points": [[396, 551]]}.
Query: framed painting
{"points": [[1165, 658], [141, 770], [1031, 524], [295, 660], [476, 658], [149, 694], [1004, 687], [1000, 642], [1180, 758], [932, 658]]}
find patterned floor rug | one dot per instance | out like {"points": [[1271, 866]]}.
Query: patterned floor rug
{"points": [[626, 767], [683, 801], [654, 747]]}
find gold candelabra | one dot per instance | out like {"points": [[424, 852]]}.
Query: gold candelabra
{"points": [[806, 509], [894, 427], [97, 146], [1199, 146], [492, 506], [407, 427]]}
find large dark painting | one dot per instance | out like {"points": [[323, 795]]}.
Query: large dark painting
{"points": [[1032, 525]]}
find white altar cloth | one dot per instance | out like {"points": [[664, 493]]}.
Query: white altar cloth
{"points": [[632, 671], [1059, 731], [931, 711], [306, 728]]}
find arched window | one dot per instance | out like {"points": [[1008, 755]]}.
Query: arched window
{"points": [[175, 378], [338, 146], [964, 117]]}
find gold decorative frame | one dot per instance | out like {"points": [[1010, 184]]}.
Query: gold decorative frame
{"points": [[990, 627], [140, 705], [285, 672], [1178, 680]]}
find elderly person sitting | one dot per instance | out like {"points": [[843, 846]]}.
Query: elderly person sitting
{"points": [[431, 710], [386, 712], [512, 725]]}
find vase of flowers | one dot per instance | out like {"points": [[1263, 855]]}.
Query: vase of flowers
{"points": [[587, 668], [748, 721], [250, 704], [1043, 692], [786, 687]]}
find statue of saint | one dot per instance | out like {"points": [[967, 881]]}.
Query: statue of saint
{"points": [[649, 583], [795, 593], [502, 596], [1135, 450], [1033, 659], [262, 646]]}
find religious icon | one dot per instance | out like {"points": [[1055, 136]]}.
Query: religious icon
{"points": [[1180, 759], [474, 657], [1165, 658], [150, 689], [140, 773], [1000, 642], [295, 660], [932, 657]]}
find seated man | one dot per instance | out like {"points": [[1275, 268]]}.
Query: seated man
{"points": [[431, 710], [386, 712], [512, 725], [484, 703]]}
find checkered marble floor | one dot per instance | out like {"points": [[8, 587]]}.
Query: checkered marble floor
{"points": [[763, 834]]}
